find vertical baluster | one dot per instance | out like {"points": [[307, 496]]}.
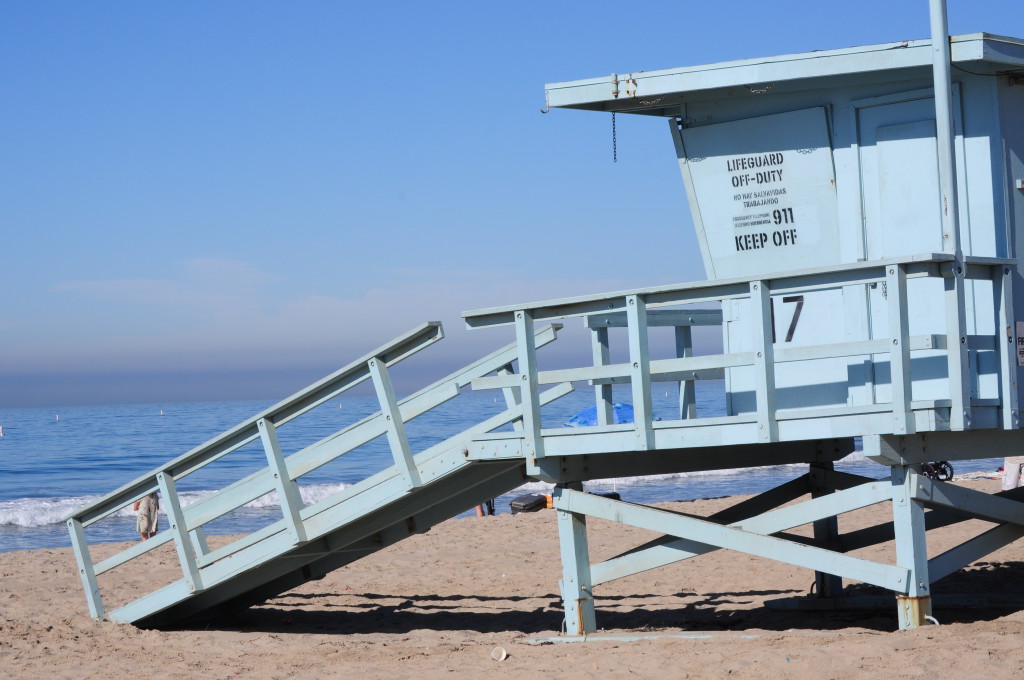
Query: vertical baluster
{"points": [[899, 351], [956, 349], [687, 394], [182, 543], [529, 393], [393, 423], [85, 568], [512, 399], [198, 537], [640, 370], [1006, 344], [602, 393], [764, 361], [287, 489]]}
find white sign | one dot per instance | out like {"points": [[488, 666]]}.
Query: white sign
{"points": [[765, 192]]}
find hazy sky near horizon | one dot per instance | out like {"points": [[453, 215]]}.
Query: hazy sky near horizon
{"points": [[230, 199]]}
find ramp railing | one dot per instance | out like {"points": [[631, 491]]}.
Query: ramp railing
{"points": [[975, 293], [186, 523]]}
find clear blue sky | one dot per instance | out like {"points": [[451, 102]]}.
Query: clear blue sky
{"points": [[227, 200]]}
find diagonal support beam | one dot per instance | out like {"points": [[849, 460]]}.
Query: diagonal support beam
{"points": [[769, 500], [981, 505], [970, 551], [670, 549], [934, 518], [704, 536]]}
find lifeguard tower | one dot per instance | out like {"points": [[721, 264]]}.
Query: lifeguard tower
{"points": [[859, 213]]}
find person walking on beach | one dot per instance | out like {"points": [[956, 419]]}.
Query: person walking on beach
{"points": [[148, 518], [1011, 472]]}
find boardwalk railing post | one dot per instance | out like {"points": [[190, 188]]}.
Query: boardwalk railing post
{"points": [[640, 370], [528, 390], [687, 393], [764, 361], [287, 489], [911, 548], [602, 391], [956, 348], [899, 353], [512, 396], [394, 424], [1002, 284], [182, 543], [576, 586]]}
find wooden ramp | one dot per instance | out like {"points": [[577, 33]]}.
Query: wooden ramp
{"points": [[309, 540]]}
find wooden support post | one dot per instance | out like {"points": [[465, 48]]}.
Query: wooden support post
{"points": [[914, 604], [576, 586], [393, 423], [899, 353], [687, 393], [826, 530], [182, 543], [764, 361], [529, 392], [640, 370], [85, 568], [602, 392], [287, 489]]}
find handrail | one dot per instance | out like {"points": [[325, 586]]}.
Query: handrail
{"points": [[636, 311], [869, 271], [283, 470], [329, 387]]}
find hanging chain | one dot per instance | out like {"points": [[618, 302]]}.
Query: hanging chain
{"points": [[615, 143]]}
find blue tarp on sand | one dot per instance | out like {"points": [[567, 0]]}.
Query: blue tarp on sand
{"points": [[623, 413]]}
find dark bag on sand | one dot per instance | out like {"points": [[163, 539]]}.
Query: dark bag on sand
{"points": [[529, 503]]}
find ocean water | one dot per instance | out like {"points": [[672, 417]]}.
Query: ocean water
{"points": [[56, 460]]}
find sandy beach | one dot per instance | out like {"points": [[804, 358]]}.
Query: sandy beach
{"points": [[439, 604]]}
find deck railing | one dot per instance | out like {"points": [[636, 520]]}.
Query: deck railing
{"points": [[638, 311]]}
